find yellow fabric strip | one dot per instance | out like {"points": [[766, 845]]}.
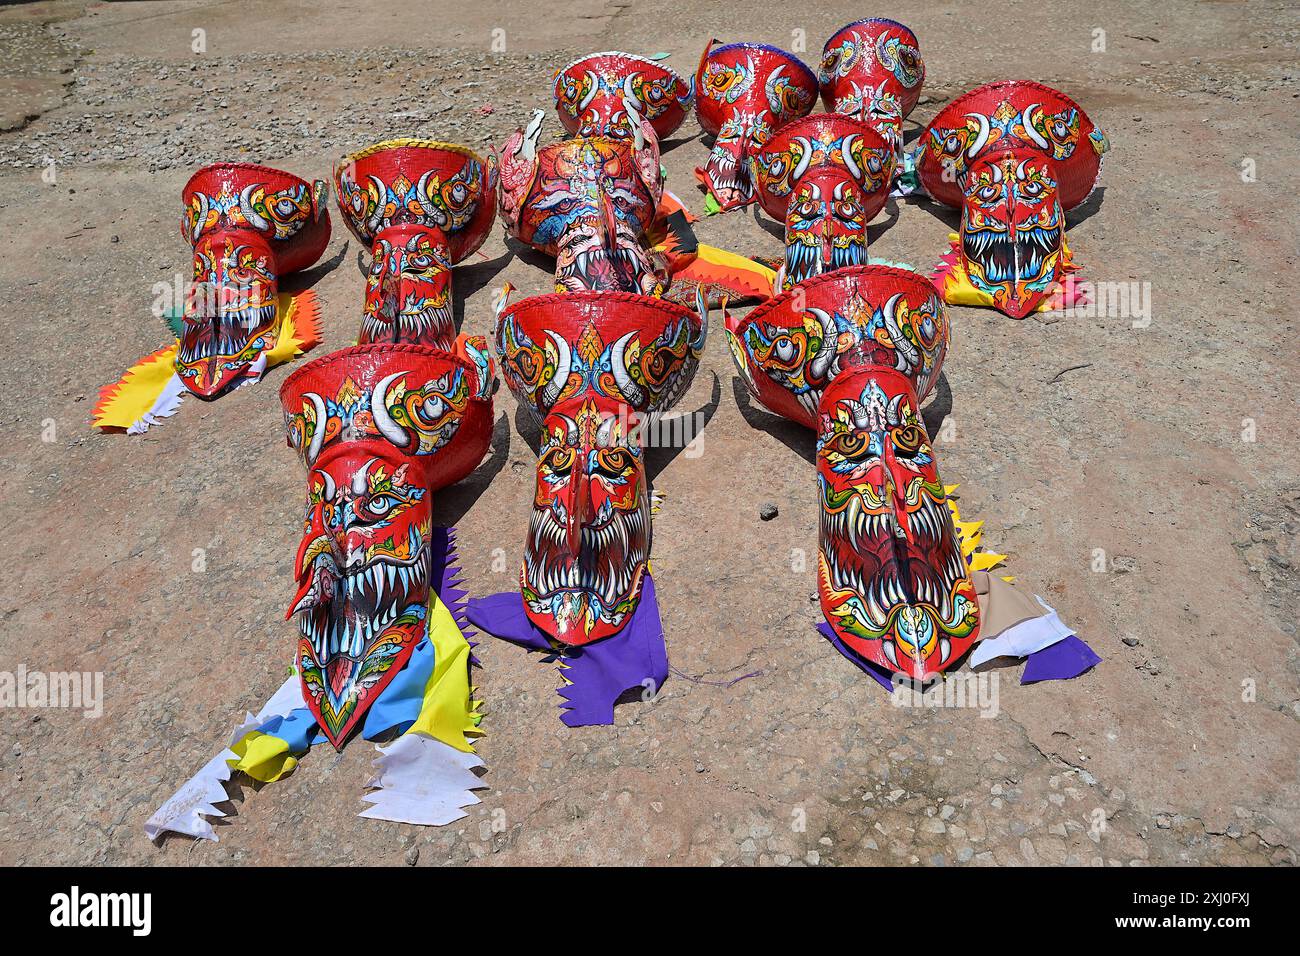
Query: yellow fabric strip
{"points": [[449, 712], [968, 536], [134, 395], [298, 329], [262, 756]]}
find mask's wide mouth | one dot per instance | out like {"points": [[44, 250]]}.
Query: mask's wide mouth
{"points": [[229, 319]]}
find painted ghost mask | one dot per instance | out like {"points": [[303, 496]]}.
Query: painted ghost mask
{"points": [[744, 92], [1014, 157], [380, 428], [420, 206], [608, 94], [852, 353], [587, 201], [590, 366], [872, 70], [249, 225], [826, 176]]}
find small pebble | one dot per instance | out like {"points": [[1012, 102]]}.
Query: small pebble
{"points": [[768, 512]]}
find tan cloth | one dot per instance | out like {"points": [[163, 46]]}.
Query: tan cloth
{"points": [[1002, 604]]}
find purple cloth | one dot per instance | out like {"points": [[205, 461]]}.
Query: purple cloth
{"points": [[881, 676], [599, 673], [1062, 661]]}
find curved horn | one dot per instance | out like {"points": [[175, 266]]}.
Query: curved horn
{"points": [[383, 421], [595, 88], [702, 310], [1028, 116], [359, 478], [422, 196], [981, 138], [377, 215], [908, 356], [318, 438], [846, 150], [633, 392], [257, 221], [996, 171], [802, 166], [891, 411], [1020, 170], [634, 118], [821, 362], [200, 218], [528, 148], [628, 92], [330, 489], [556, 385]]}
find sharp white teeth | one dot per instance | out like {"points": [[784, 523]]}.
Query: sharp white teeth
{"points": [[888, 648]]}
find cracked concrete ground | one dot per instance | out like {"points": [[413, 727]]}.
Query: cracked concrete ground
{"points": [[1151, 493]]}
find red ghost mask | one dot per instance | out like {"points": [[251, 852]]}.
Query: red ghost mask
{"points": [[380, 428], [249, 225], [1013, 156], [608, 94], [587, 201], [590, 365], [852, 353], [826, 176], [421, 206], [872, 69], [744, 92]]}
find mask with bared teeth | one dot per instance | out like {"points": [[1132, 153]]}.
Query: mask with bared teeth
{"points": [[872, 70], [1014, 156], [421, 206], [380, 428], [588, 202], [592, 367], [851, 354], [826, 176], [249, 225], [745, 92]]}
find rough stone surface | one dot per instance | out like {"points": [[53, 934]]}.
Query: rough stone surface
{"points": [[1151, 493]]}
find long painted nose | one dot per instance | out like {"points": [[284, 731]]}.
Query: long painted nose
{"points": [[579, 503]]}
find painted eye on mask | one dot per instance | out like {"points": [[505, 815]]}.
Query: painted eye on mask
{"points": [[558, 461], [852, 445], [988, 193], [907, 440], [613, 463], [848, 210], [458, 194], [1032, 189], [951, 144], [784, 350], [380, 505]]}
